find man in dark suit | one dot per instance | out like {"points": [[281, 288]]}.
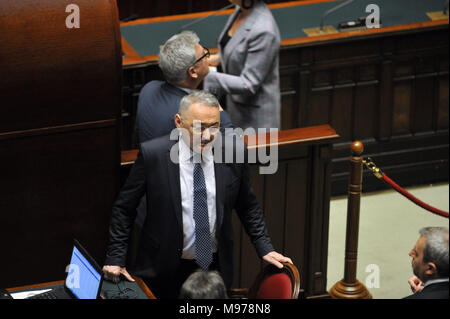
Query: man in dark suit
{"points": [[190, 198], [184, 63], [430, 264]]}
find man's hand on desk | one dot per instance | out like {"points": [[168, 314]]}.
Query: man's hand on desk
{"points": [[113, 273]]}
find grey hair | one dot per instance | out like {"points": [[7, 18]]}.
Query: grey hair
{"points": [[197, 96], [436, 248], [203, 285], [177, 55]]}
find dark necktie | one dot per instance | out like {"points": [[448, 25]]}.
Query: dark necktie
{"points": [[203, 250]]}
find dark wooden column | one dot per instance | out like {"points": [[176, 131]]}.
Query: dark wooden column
{"points": [[60, 103], [350, 287]]}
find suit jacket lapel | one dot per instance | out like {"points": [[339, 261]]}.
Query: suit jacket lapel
{"points": [[227, 25], [174, 182], [175, 189], [240, 35]]}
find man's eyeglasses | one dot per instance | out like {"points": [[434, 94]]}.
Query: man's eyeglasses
{"points": [[206, 54], [198, 128], [201, 129]]}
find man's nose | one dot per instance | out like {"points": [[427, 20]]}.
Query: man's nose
{"points": [[206, 135]]}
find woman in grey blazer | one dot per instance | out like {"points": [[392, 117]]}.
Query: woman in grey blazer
{"points": [[248, 54]]}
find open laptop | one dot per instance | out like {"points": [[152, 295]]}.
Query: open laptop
{"points": [[83, 281]]}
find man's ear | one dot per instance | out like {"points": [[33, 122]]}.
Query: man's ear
{"points": [[430, 269], [177, 120], [192, 72]]}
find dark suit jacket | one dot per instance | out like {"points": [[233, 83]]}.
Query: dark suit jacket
{"points": [[161, 243], [158, 103], [433, 291]]}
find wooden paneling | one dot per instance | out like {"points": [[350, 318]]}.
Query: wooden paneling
{"points": [[56, 187], [59, 135], [402, 107], [443, 102], [390, 91]]}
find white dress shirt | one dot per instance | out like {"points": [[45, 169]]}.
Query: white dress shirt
{"points": [[187, 160]]}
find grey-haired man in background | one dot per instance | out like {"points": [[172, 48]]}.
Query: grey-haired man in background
{"points": [[184, 64], [430, 264]]}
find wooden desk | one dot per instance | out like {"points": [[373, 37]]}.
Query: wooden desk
{"points": [[292, 18], [157, 8], [295, 201], [141, 284], [387, 87]]}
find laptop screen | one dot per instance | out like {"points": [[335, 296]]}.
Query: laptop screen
{"points": [[83, 280]]}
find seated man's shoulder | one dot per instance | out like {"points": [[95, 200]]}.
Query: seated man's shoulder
{"points": [[434, 291], [152, 86], [157, 91]]}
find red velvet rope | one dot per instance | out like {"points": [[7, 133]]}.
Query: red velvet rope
{"points": [[412, 198]]}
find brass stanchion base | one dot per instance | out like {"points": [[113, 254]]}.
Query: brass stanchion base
{"points": [[344, 290]]}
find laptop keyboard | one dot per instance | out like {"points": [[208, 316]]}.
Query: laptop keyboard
{"points": [[45, 295]]}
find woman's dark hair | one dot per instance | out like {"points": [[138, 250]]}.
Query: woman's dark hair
{"points": [[248, 6], [251, 3]]}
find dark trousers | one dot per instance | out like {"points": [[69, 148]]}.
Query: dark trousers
{"points": [[171, 289]]}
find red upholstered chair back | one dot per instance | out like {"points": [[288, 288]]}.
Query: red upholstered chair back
{"points": [[275, 283], [277, 286]]}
